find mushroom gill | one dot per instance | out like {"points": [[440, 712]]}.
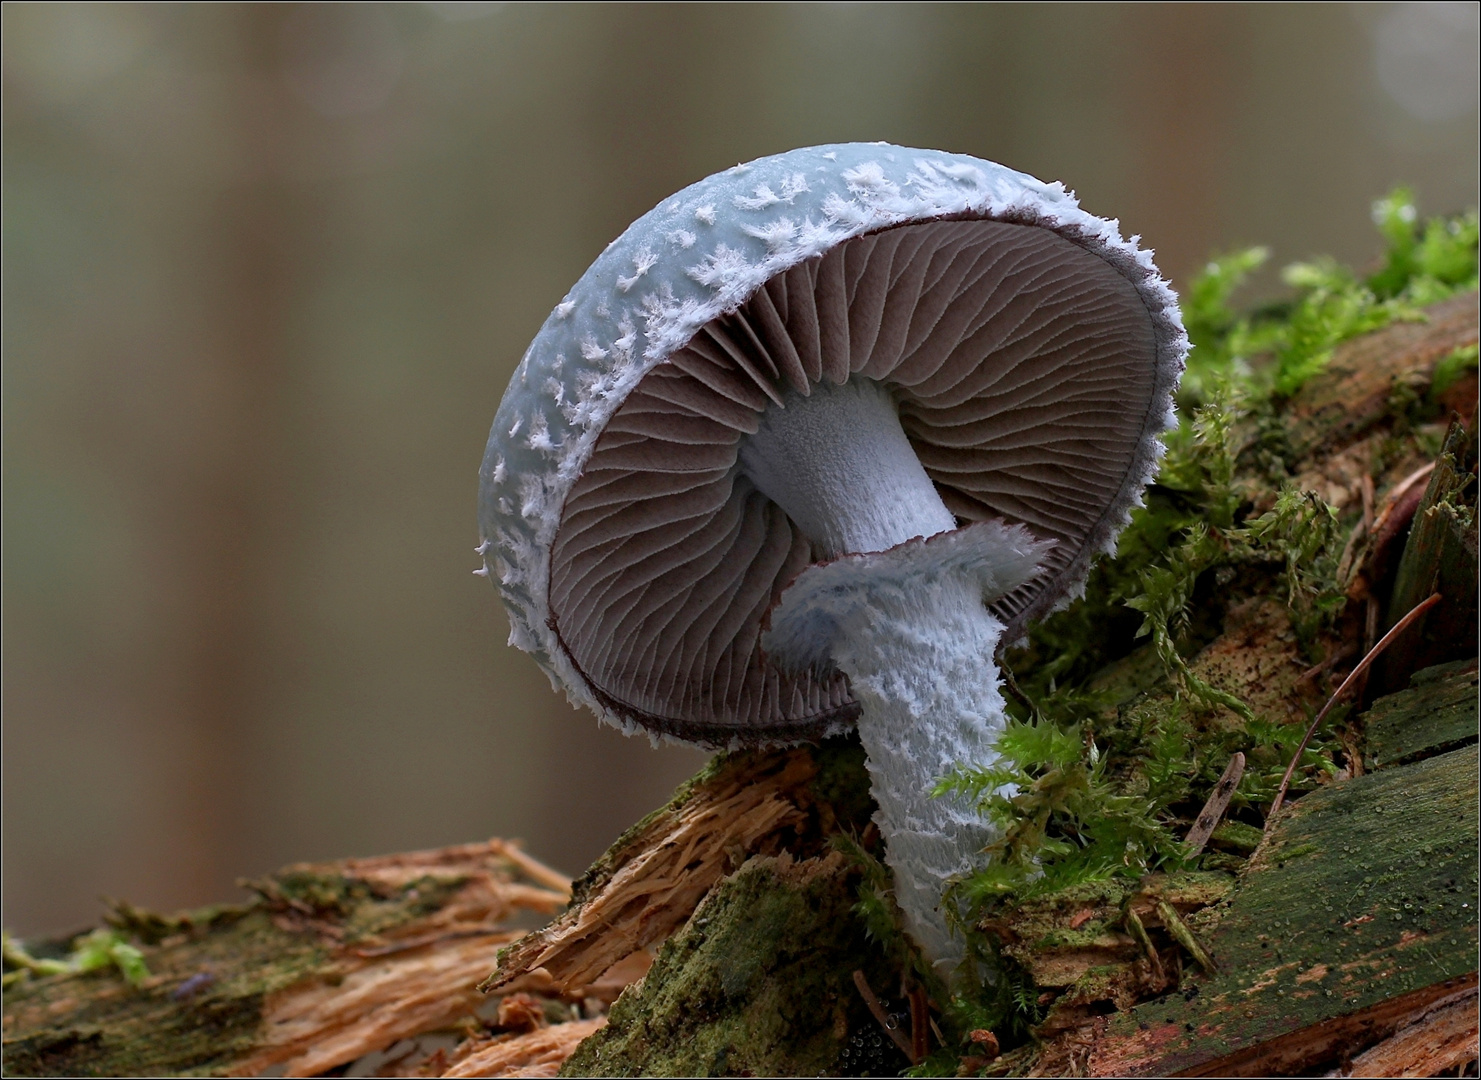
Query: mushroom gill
{"points": [[1021, 366]]}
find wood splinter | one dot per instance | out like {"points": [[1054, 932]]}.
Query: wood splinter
{"points": [[1213, 810], [1138, 931], [1184, 935]]}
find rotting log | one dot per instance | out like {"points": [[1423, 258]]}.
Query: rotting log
{"points": [[650, 881], [371, 964], [329, 963], [339, 963], [1363, 894], [1437, 713]]}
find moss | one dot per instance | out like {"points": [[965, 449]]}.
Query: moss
{"points": [[151, 927], [117, 1030], [1234, 577], [1237, 836], [840, 791], [759, 983]]}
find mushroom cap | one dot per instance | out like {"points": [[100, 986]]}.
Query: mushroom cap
{"points": [[1033, 353]]}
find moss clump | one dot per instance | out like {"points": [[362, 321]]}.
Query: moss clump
{"points": [[1278, 347], [759, 983]]}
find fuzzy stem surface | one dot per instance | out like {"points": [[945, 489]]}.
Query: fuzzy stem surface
{"points": [[920, 661], [838, 462]]}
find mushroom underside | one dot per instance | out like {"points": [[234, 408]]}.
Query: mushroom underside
{"points": [[1023, 369]]}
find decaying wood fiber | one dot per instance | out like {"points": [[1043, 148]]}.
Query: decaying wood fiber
{"points": [[328, 964]]}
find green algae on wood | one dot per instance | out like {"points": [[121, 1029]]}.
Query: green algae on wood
{"points": [[1437, 713], [237, 990], [1365, 891], [758, 983], [97, 1025]]}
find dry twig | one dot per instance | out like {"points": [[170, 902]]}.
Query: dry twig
{"points": [[1213, 810]]}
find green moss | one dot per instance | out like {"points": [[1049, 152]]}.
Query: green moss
{"points": [[1114, 748], [759, 983], [1237, 836], [840, 790], [1451, 369], [1276, 349], [143, 1031], [151, 927], [200, 1010]]}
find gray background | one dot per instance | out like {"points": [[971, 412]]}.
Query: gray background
{"points": [[267, 269]]}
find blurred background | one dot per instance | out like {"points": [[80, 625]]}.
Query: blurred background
{"points": [[267, 269]]}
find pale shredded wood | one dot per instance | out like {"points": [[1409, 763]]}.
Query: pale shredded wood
{"points": [[672, 865], [541, 1052], [1442, 1039], [422, 977]]}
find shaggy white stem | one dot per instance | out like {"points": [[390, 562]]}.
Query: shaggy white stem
{"points": [[920, 662]]}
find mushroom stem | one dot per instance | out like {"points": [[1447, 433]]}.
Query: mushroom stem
{"points": [[908, 624], [838, 462], [911, 629], [921, 668]]}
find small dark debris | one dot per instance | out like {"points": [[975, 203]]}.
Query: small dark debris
{"points": [[869, 1052], [192, 986]]}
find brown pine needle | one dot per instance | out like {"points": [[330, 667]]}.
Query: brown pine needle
{"points": [[1357, 673], [920, 1044], [891, 1028]]}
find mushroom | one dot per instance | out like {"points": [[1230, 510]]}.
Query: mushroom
{"points": [[812, 440]]}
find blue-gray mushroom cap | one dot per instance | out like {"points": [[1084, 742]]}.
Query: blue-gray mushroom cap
{"points": [[704, 258]]}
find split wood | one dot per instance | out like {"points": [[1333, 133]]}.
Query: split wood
{"points": [[417, 979], [660, 877], [1442, 1038], [536, 1053]]}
